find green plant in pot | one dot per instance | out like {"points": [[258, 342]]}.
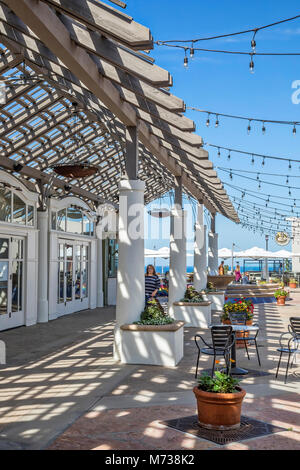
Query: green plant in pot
{"points": [[219, 401], [192, 296], [152, 315], [210, 288], [293, 283], [280, 295]]}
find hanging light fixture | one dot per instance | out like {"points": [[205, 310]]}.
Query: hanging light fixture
{"points": [[72, 167], [263, 129], [217, 121], [294, 129]]}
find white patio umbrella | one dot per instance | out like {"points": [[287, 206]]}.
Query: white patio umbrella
{"points": [[224, 253], [254, 252]]}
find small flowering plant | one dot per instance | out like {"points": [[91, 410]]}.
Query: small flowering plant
{"points": [[238, 306], [280, 293]]}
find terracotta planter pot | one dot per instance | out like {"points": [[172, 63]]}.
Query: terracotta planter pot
{"points": [[281, 300], [220, 411], [240, 334], [293, 285]]}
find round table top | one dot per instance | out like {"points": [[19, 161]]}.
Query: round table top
{"points": [[239, 327]]}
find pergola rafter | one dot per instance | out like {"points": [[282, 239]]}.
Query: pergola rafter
{"points": [[87, 52]]}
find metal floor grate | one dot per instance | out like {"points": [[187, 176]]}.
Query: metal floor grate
{"points": [[250, 428]]}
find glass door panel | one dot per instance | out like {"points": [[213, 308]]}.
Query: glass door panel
{"points": [[16, 286], [69, 273], [4, 270], [78, 272]]}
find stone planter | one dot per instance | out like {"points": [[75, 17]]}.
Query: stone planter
{"points": [[160, 345], [193, 314], [217, 299], [240, 334], [220, 411], [221, 282], [281, 300]]}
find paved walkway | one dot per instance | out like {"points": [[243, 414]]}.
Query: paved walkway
{"points": [[61, 388]]}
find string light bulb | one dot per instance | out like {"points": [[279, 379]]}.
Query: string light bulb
{"points": [[219, 152], [207, 121], [252, 160], [294, 130], [251, 65], [228, 156], [263, 129], [186, 62], [192, 52], [217, 121], [249, 127]]}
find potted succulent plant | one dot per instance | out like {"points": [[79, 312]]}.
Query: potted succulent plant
{"points": [[293, 283], [219, 401], [280, 295]]}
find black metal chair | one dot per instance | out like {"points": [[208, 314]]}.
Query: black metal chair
{"points": [[240, 318], [222, 342], [286, 349], [294, 329]]}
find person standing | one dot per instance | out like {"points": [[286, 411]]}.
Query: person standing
{"points": [[221, 269], [152, 283], [237, 273]]}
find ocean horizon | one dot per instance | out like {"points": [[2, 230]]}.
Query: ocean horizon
{"points": [[190, 269]]}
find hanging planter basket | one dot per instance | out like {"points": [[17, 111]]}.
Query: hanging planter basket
{"points": [[75, 170]]}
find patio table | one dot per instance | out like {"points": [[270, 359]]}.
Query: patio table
{"points": [[237, 370]]}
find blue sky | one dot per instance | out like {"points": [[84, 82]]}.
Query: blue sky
{"points": [[223, 83]]}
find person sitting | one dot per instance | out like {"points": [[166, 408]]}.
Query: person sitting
{"points": [[245, 279]]}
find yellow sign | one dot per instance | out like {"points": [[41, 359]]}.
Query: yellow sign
{"points": [[282, 238]]}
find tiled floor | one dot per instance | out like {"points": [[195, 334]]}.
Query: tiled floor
{"points": [[68, 393]]}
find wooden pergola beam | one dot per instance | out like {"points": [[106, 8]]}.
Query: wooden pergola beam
{"points": [[100, 17], [116, 54]]}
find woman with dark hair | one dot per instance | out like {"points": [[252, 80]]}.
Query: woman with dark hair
{"points": [[152, 283]]}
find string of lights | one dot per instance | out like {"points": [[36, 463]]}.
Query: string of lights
{"points": [[254, 194], [244, 118], [254, 204], [252, 155], [259, 172], [236, 33], [181, 44], [255, 207], [259, 181]]}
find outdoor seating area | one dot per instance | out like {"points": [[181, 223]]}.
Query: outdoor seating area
{"points": [[94, 403], [123, 326]]}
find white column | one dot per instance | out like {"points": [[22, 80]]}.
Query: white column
{"points": [[130, 276], [43, 267], [177, 275], [99, 274], [213, 253], [200, 255]]}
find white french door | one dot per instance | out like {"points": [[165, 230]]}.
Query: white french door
{"points": [[12, 258], [73, 276]]}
